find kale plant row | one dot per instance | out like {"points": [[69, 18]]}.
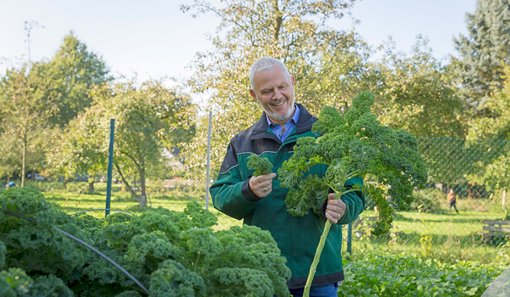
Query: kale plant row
{"points": [[169, 253]]}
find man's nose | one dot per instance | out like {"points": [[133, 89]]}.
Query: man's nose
{"points": [[277, 94]]}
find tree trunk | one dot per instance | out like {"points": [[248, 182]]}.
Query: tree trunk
{"points": [[91, 187], [503, 199], [24, 160], [143, 194], [90, 181], [124, 181]]}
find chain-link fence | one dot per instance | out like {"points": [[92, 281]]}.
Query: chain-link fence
{"points": [[464, 165], [475, 171], [461, 211]]}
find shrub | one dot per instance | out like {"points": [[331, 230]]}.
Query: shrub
{"points": [[427, 200]]}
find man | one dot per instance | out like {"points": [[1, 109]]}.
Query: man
{"points": [[260, 201]]}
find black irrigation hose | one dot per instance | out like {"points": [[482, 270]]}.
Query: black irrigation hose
{"points": [[101, 254], [95, 250]]}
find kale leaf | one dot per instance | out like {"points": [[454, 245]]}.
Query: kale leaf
{"points": [[259, 164]]}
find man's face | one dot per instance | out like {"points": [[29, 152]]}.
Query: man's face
{"points": [[275, 92]]}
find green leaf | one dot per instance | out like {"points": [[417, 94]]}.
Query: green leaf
{"points": [[260, 165]]}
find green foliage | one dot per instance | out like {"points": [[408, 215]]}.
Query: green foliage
{"points": [[26, 229], [260, 252], [81, 149], [483, 51], [2, 255], [374, 274], [259, 165], [67, 79], [171, 253], [381, 229], [426, 245], [494, 172], [173, 279], [14, 282], [428, 200], [49, 286], [146, 251], [152, 121], [24, 118], [39, 99], [330, 65], [232, 282], [415, 93], [351, 144], [129, 293], [199, 216]]}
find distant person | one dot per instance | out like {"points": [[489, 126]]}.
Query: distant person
{"points": [[452, 199]]}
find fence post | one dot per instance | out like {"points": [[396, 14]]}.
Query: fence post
{"points": [[208, 161], [110, 165]]}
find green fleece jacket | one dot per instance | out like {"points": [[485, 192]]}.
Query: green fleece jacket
{"points": [[297, 237]]}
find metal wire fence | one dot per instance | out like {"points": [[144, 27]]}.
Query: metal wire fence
{"points": [[473, 170], [476, 224], [463, 165]]}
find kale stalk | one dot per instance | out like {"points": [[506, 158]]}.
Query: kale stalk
{"points": [[351, 144]]}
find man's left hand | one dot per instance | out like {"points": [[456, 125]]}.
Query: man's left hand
{"points": [[335, 209]]}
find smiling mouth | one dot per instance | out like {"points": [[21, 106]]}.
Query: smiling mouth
{"points": [[278, 104]]}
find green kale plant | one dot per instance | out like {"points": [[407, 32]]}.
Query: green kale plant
{"points": [[169, 253], [411, 275], [352, 144], [259, 164]]}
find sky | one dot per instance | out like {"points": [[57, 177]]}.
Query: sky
{"points": [[154, 39]]}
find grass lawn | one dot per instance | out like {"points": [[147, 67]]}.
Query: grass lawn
{"points": [[94, 204], [452, 236], [447, 236]]}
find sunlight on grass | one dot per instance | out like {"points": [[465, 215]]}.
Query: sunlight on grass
{"points": [[94, 204], [454, 236]]}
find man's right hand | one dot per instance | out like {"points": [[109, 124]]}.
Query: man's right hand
{"points": [[262, 185]]}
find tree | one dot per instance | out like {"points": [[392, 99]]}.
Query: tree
{"points": [[82, 148], [414, 93], [43, 95], [150, 120], [483, 51], [24, 116], [328, 64], [69, 76], [494, 171]]}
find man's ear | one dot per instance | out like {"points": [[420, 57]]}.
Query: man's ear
{"points": [[293, 80], [252, 93]]}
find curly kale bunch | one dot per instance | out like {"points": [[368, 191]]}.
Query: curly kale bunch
{"points": [[259, 164], [349, 145], [352, 144]]}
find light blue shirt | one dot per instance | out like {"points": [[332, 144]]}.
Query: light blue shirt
{"points": [[278, 130]]}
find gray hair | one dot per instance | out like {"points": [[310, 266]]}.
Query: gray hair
{"points": [[266, 63]]}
